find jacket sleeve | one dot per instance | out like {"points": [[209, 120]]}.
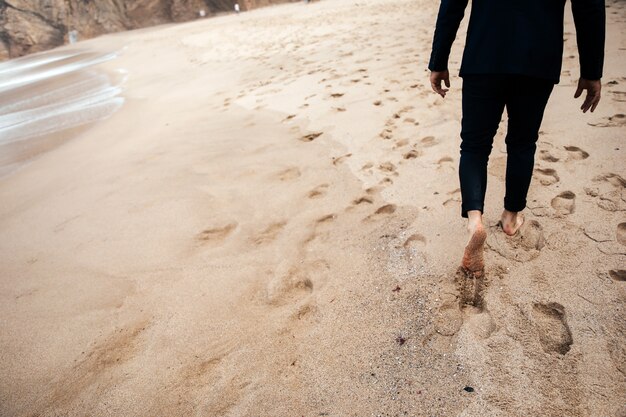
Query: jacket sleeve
{"points": [[448, 20], [590, 22]]}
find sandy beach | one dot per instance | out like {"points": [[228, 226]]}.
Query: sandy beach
{"points": [[270, 226]]}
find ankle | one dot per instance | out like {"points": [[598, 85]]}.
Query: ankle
{"points": [[475, 220], [473, 226], [509, 216]]}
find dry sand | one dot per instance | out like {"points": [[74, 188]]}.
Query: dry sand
{"points": [[270, 227]]}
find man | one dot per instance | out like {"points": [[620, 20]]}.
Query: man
{"points": [[512, 59]]}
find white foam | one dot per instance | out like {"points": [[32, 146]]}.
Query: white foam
{"points": [[31, 61], [50, 92], [33, 73]]}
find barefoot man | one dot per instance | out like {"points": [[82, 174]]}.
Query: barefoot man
{"points": [[512, 59]]}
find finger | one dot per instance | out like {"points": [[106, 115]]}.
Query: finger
{"points": [[585, 106], [595, 103], [447, 81], [578, 92], [588, 101], [434, 87], [437, 88]]}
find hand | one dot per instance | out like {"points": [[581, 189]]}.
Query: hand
{"points": [[593, 88], [435, 82]]}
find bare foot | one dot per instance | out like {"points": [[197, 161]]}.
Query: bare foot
{"points": [[473, 261], [511, 222]]}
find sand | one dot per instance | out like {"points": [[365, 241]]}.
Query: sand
{"points": [[270, 226]]}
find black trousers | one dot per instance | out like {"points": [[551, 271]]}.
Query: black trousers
{"points": [[484, 99]]}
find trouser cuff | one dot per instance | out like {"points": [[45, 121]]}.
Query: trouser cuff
{"points": [[514, 206], [469, 207]]}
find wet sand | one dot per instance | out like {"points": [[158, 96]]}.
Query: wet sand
{"points": [[270, 226]]}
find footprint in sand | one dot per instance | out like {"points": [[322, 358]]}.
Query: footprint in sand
{"points": [[545, 155], [618, 274], [400, 143], [288, 174], [564, 203], [620, 234], [311, 136], [610, 241], [203, 367], [317, 192], [619, 96], [428, 141], [471, 289], [386, 209], [412, 154], [524, 246], [387, 133], [482, 324], [283, 287], [381, 211], [616, 120], [611, 178], [326, 218], [373, 190], [610, 199], [363, 200], [114, 350], [449, 319], [341, 158], [576, 153], [546, 176], [303, 312], [445, 160], [413, 239], [531, 235], [387, 167], [552, 328], [269, 233], [216, 234]]}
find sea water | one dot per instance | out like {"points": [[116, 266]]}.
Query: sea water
{"points": [[55, 91]]}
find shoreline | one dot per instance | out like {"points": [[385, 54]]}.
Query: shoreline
{"points": [[270, 226]]}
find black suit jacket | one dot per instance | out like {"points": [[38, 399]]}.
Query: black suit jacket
{"points": [[520, 37]]}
